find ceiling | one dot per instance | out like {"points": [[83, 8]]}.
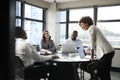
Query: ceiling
{"points": [[58, 1]]}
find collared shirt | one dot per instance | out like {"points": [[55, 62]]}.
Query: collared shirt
{"points": [[98, 42], [27, 53], [77, 42]]}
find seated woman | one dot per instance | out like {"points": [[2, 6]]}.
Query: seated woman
{"points": [[47, 43]]}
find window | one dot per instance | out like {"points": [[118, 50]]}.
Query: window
{"points": [[18, 13], [63, 16], [109, 23], [34, 31], [82, 35], [31, 18], [62, 32], [106, 18], [63, 26], [18, 22], [76, 14], [18, 8], [109, 13], [33, 12], [70, 23]]}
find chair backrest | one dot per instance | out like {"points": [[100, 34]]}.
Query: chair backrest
{"points": [[19, 69]]}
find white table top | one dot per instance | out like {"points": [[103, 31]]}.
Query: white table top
{"points": [[74, 57], [71, 58]]}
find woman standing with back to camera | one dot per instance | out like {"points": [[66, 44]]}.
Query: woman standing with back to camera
{"points": [[103, 49]]}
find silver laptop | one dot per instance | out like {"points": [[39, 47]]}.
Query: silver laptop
{"points": [[81, 53], [67, 48]]}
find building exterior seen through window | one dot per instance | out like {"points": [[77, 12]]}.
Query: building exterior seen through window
{"points": [[31, 19], [109, 23]]}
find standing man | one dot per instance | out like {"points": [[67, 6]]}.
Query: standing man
{"points": [[103, 49]]}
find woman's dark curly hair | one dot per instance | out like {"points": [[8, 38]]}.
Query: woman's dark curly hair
{"points": [[86, 20]]}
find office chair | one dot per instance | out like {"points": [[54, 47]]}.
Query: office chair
{"points": [[19, 69], [22, 73]]}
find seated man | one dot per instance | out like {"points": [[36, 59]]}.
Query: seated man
{"points": [[79, 47], [76, 41], [29, 55]]}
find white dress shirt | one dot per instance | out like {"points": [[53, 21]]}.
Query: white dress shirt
{"points": [[27, 53], [98, 42]]}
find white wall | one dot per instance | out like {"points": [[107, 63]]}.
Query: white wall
{"points": [[116, 59], [52, 23]]}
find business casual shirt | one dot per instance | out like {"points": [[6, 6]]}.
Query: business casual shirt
{"points": [[27, 53], [49, 46], [98, 42], [77, 42]]}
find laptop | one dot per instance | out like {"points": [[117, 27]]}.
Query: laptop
{"points": [[82, 54], [67, 48]]}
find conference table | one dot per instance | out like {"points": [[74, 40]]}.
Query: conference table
{"points": [[71, 58]]}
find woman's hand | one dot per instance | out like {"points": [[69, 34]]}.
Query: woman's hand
{"points": [[91, 59]]}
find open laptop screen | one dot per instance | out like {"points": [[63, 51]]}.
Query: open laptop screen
{"points": [[68, 48], [81, 53]]}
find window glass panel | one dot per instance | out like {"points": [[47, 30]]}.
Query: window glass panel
{"points": [[34, 31], [18, 22], [111, 30], [18, 8], [76, 14], [109, 13], [62, 32], [82, 35], [63, 16], [33, 12]]}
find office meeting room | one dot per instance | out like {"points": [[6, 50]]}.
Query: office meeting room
{"points": [[61, 40]]}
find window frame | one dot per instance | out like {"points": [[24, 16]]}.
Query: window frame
{"points": [[23, 18], [110, 20], [95, 8]]}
